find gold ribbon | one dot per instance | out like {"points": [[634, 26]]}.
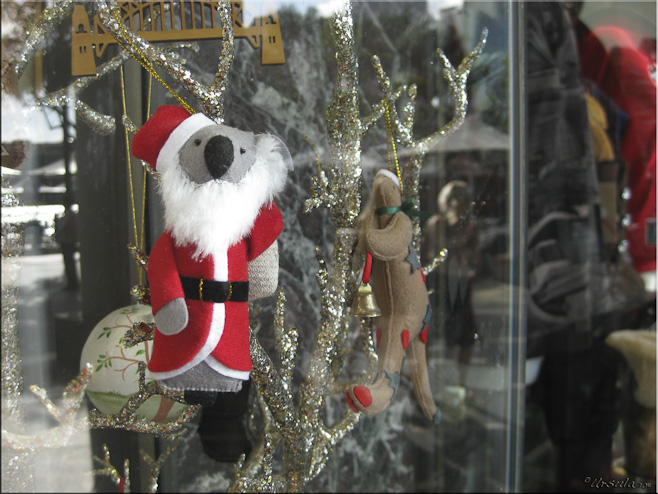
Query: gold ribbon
{"points": [[390, 142]]}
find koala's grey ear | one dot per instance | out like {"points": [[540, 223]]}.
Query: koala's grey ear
{"points": [[280, 147]]}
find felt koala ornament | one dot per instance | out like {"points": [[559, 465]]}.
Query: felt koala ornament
{"points": [[218, 251], [399, 287]]}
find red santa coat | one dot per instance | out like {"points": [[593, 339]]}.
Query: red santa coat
{"points": [[216, 332]]}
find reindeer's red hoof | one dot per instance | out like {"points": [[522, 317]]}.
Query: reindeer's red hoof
{"points": [[362, 394], [405, 339]]}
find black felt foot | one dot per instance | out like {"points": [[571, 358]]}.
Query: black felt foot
{"points": [[221, 429], [203, 398], [225, 440]]}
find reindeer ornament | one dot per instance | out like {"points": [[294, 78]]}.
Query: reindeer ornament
{"points": [[399, 287]]}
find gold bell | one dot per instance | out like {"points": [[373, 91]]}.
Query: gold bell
{"points": [[365, 303]]}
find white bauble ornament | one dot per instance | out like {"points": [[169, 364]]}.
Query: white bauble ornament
{"points": [[116, 369]]}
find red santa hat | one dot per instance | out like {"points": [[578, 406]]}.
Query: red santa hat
{"points": [[165, 133]]}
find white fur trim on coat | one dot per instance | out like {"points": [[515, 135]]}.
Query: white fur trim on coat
{"points": [[217, 366], [214, 335]]}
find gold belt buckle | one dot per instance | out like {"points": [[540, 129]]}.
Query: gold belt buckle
{"points": [[201, 289]]}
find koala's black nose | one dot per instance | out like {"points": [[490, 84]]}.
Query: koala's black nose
{"points": [[218, 154]]}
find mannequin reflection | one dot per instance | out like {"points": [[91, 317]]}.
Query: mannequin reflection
{"points": [[455, 228], [572, 302]]}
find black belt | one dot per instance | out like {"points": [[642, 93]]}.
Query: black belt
{"points": [[215, 291]]}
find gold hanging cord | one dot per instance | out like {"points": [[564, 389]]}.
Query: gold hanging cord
{"points": [[390, 142], [139, 240], [144, 172], [144, 62]]}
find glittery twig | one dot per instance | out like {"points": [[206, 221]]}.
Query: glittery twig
{"points": [[434, 263], [209, 97], [225, 61], [127, 419], [66, 417], [340, 190], [280, 404], [380, 108], [101, 124], [305, 439], [456, 79], [156, 465], [402, 126], [261, 455], [286, 341], [36, 32], [108, 469], [69, 423], [319, 167], [328, 348], [247, 480], [17, 467], [326, 441]]}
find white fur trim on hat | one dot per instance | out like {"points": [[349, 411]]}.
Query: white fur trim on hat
{"points": [[391, 175], [169, 153]]}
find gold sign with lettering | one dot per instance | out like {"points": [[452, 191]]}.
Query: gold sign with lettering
{"points": [[173, 21]]}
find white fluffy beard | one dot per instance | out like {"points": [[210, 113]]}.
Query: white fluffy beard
{"points": [[215, 215]]}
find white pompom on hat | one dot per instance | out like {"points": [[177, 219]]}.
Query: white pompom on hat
{"points": [[389, 174]]}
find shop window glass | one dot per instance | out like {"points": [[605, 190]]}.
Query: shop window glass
{"points": [[540, 225]]}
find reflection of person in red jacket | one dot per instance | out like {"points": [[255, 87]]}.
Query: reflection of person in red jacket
{"points": [[625, 72], [218, 185]]}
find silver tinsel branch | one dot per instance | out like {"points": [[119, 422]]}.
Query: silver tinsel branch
{"points": [[100, 123], [35, 32], [17, 466], [402, 125], [307, 440], [127, 419], [122, 481], [209, 97], [69, 422]]}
